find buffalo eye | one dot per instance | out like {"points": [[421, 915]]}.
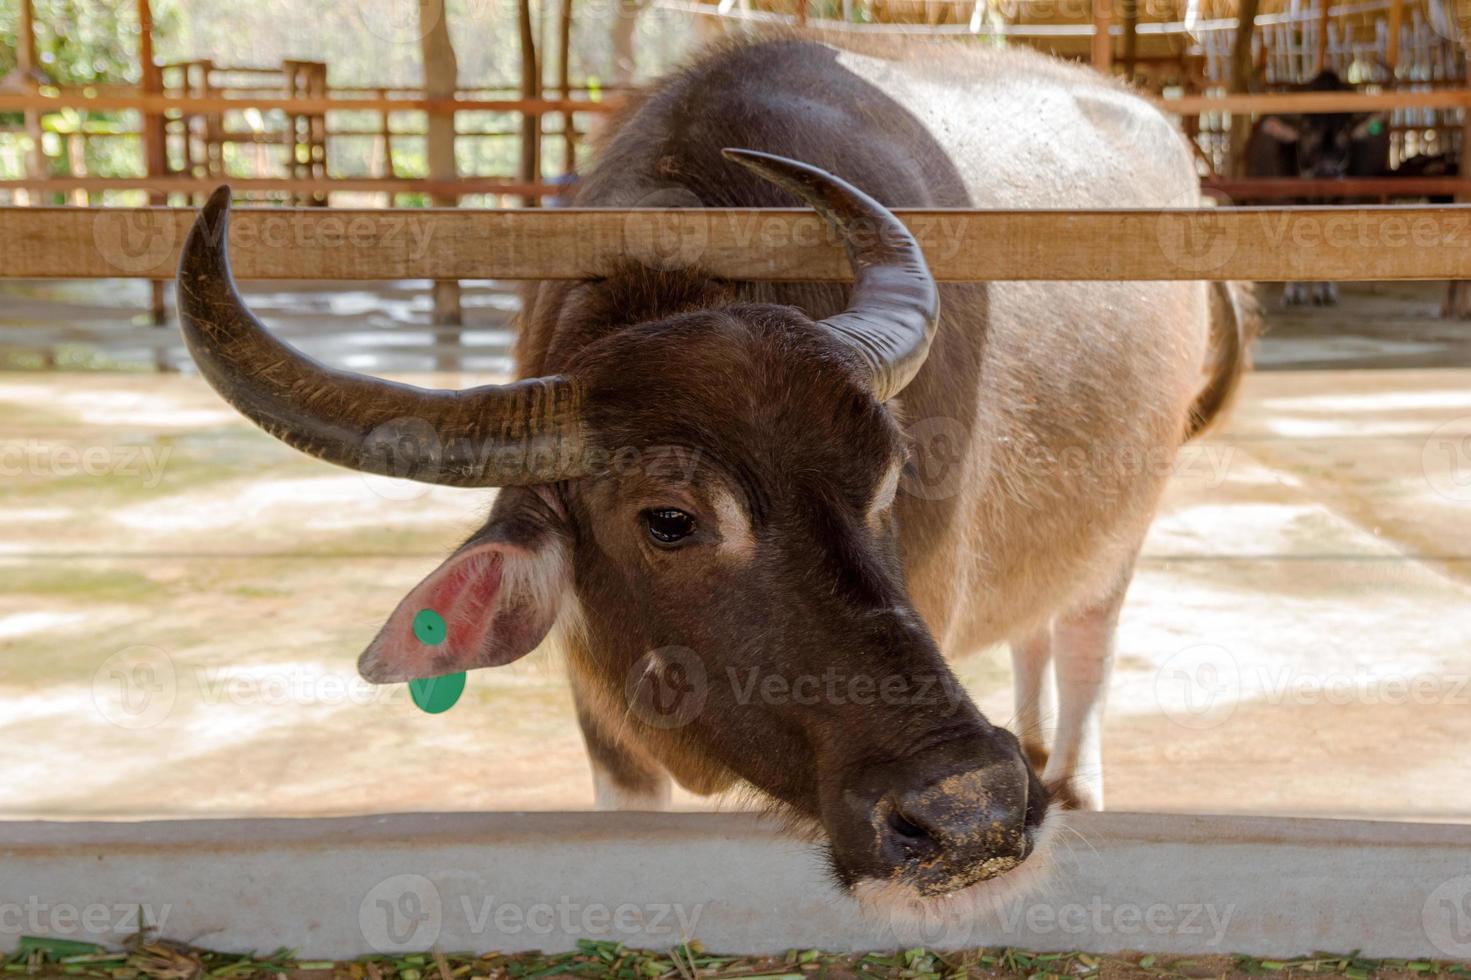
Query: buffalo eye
{"points": [[668, 526]]}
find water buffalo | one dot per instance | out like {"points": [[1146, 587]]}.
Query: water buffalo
{"points": [[1322, 145], [836, 488]]}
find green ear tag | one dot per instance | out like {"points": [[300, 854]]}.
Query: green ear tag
{"points": [[434, 694], [429, 627], [437, 694]]}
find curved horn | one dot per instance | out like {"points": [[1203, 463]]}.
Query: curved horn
{"points": [[895, 307], [526, 432]]}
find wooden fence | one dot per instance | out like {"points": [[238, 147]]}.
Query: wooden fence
{"points": [[198, 126], [319, 182], [1374, 243]]}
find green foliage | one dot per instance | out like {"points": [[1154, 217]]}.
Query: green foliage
{"points": [[81, 43], [84, 42]]}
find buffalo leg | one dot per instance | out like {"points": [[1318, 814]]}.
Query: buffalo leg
{"points": [[1036, 696], [1294, 294], [621, 779], [1083, 651]]}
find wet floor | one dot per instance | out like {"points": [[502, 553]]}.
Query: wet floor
{"points": [[182, 598], [377, 327], [386, 327]]}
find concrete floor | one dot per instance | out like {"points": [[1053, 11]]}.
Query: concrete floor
{"points": [[384, 327], [182, 600]]}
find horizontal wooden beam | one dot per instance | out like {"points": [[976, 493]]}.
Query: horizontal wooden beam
{"points": [[289, 185], [750, 244], [1277, 188], [112, 102], [1296, 102]]}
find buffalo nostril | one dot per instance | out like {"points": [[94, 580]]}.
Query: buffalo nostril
{"points": [[973, 815], [904, 840], [906, 828]]}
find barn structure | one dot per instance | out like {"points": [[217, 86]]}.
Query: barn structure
{"points": [[281, 128], [278, 131]]}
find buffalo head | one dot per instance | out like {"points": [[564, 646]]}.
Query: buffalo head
{"points": [[705, 503]]}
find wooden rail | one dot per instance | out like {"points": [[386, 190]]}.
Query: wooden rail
{"points": [[1284, 102], [790, 245], [287, 185], [1298, 102], [113, 99], [1277, 188], [112, 102]]}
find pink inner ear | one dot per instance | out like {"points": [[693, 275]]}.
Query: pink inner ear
{"points": [[465, 596], [464, 592], [483, 626]]}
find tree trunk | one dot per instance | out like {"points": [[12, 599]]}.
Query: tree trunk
{"points": [[564, 86], [441, 79], [530, 89], [26, 62]]}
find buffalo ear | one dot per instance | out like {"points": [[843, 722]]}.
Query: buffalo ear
{"points": [[1280, 129], [490, 603]]}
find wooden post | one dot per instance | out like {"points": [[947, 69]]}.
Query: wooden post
{"points": [[1391, 43], [441, 79], [1102, 40], [1246, 11], [1320, 61], [1458, 291], [801, 12], [564, 86], [212, 124], [1130, 9], [155, 151], [385, 136], [155, 148], [530, 89], [26, 61]]}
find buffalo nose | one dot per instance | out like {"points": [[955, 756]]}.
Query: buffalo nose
{"points": [[976, 820]]}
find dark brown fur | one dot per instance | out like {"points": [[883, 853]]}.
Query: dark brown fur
{"points": [[799, 574], [779, 414]]}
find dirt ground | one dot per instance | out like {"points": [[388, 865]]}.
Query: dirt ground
{"points": [[182, 600]]}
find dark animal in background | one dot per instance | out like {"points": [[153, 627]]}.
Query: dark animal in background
{"points": [[1431, 165], [1320, 145]]}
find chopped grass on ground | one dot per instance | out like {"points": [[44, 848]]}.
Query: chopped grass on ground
{"points": [[153, 959]]}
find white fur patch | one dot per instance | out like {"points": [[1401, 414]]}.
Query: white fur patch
{"points": [[540, 579], [735, 525], [883, 497], [951, 919]]}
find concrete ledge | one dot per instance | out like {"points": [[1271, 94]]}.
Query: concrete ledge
{"points": [[520, 881]]}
